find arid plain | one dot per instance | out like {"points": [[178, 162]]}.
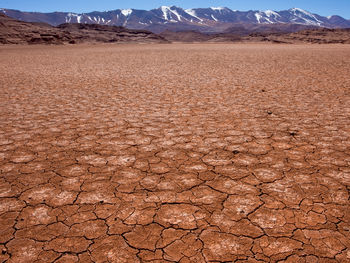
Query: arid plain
{"points": [[175, 153]]}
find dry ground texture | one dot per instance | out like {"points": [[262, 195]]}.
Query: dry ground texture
{"points": [[175, 153]]}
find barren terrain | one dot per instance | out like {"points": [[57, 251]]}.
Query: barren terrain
{"points": [[175, 153]]}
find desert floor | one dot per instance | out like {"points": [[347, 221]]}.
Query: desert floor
{"points": [[175, 153]]}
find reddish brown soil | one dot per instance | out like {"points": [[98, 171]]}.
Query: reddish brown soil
{"points": [[175, 153]]}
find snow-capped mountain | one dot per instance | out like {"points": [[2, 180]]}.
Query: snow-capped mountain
{"points": [[176, 18]]}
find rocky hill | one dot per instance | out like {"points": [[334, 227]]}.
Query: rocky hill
{"points": [[314, 36], [13, 31], [311, 35]]}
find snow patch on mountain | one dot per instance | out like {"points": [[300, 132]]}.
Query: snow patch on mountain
{"points": [[258, 17], [71, 16], [193, 13], [165, 10], [126, 12], [309, 18], [176, 14], [217, 8], [271, 13], [167, 14], [301, 11]]}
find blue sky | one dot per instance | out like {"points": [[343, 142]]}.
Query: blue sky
{"points": [[322, 7]]}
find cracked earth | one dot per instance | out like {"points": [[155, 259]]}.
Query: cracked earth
{"points": [[175, 153]]}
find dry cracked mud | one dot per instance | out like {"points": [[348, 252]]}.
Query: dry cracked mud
{"points": [[175, 153]]}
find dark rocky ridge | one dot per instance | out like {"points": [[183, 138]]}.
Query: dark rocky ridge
{"points": [[195, 36], [310, 35], [103, 33], [247, 29], [313, 36], [17, 32]]}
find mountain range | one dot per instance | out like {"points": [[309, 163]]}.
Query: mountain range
{"points": [[13, 31], [213, 19]]}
